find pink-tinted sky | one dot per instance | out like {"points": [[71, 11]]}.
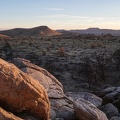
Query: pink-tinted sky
{"points": [[60, 14]]}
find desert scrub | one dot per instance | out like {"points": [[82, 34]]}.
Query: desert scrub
{"points": [[116, 58], [61, 51], [44, 52], [94, 45]]}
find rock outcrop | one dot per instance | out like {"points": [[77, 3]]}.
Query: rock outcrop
{"points": [[61, 105], [4, 115], [87, 111], [53, 87], [19, 92]]}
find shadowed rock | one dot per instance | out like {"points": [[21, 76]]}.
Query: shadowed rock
{"points": [[115, 118], [111, 94], [87, 111], [4, 115], [110, 110], [95, 100]]}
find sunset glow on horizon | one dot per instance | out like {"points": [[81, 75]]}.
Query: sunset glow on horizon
{"points": [[60, 14]]}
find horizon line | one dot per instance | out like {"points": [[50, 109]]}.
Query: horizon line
{"points": [[2, 29]]}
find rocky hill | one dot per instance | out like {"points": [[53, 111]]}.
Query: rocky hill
{"points": [[32, 32]]}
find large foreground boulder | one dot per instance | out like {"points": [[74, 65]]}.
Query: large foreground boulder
{"points": [[4, 115], [61, 105], [85, 110], [19, 92]]}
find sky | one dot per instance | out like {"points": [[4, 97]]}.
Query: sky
{"points": [[60, 14]]}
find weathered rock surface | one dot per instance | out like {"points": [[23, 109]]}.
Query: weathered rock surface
{"points": [[110, 110], [97, 101], [61, 105], [4, 115], [63, 108], [115, 118], [111, 95], [87, 111], [108, 90], [51, 84], [19, 92]]}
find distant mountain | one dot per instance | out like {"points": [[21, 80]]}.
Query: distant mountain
{"points": [[97, 31], [32, 32]]}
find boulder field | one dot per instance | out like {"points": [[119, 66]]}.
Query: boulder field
{"points": [[29, 92]]}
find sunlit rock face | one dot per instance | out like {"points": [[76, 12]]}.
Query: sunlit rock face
{"points": [[19, 92], [61, 105]]}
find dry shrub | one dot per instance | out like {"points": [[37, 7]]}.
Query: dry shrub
{"points": [[94, 45], [61, 51]]}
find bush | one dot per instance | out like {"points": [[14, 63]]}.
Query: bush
{"points": [[94, 45], [96, 66], [116, 58], [61, 51], [44, 52]]}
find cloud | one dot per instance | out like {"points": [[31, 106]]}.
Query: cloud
{"points": [[54, 9], [66, 21]]}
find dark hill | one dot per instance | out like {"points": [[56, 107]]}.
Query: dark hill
{"points": [[32, 32], [13, 32], [40, 31]]}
